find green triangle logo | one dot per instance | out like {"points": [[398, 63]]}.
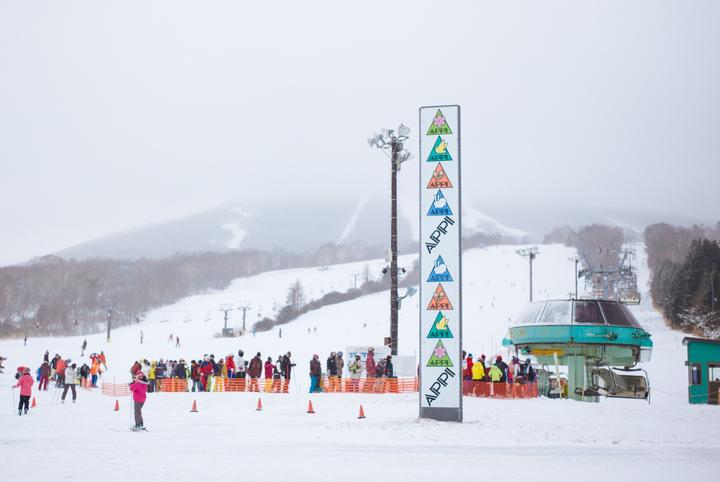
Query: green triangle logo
{"points": [[439, 125], [440, 327], [439, 151], [439, 357]]}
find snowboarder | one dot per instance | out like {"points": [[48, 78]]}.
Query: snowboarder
{"points": [[25, 382], [84, 345], [70, 381], [139, 390]]}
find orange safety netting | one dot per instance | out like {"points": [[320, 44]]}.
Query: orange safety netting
{"points": [[115, 389], [173, 385], [500, 390], [369, 385], [253, 385]]}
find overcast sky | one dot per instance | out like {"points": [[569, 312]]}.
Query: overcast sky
{"points": [[118, 114]]}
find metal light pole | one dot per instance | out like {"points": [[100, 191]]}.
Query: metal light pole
{"points": [[392, 144], [531, 254], [576, 260], [109, 323]]}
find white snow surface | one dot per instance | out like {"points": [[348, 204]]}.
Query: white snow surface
{"points": [[228, 439]]}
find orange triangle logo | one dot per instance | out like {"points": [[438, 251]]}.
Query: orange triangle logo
{"points": [[439, 178], [439, 300]]}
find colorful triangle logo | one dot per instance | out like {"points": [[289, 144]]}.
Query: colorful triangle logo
{"points": [[440, 328], [439, 357], [440, 272], [439, 300], [439, 178], [439, 206], [439, 125], [439, 151]]}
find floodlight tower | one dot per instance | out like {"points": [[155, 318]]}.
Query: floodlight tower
{"points": [[531, 254], [391, 143]]}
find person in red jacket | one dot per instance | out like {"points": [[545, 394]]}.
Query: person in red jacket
{"points": [[25, 382], [139, 390], [206, 369], [467, 368], [230, 364], [269, 368], [44, 376]]}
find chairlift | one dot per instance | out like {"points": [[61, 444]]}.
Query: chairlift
{"points": [[614, 382]]}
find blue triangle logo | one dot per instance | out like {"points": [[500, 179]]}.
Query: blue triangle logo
{"points": [[440, 272], [439, 206]]}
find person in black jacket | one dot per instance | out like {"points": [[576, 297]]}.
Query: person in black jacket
{"points": [[287, 365], [331, 365], [389, 373], [503, 368]]}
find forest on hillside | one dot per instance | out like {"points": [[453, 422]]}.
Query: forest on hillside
{"points": [[55, 296], [685, 283]]}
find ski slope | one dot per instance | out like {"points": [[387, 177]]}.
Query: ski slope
{"points": [[228, 440]]}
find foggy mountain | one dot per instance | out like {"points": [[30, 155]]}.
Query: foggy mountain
{"points": [[298, 228]]}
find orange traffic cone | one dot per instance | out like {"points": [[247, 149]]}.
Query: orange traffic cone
{"points": [[259, 405], [33, 403], [117, 406], [310, 407], [362, 412], [194, 407]]}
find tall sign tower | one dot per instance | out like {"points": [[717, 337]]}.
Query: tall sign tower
{"points": [[440, 264]]}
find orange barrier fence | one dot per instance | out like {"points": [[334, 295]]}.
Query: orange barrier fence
{"points": [[500, 390], [369, 385], [253, 385], [115, 389], [172, 384]]}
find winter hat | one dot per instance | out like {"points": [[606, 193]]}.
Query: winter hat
{"points": [[470, 355], [482, 356], [316, 355], [339, 354], [499, 358]]}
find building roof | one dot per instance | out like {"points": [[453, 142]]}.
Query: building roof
{"points": [[691, 339]]}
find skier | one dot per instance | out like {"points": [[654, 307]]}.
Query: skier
{"points": [[70, 381], [370, 363], [84, 345], [25, 382], [340, 364], [139, 390], [315, 372], [2, 359], [356, 369], [25, 341], [240, 365], [44, 376], [142, 335], [177, 342], [170, 338]]}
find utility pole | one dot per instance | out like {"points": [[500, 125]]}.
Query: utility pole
{"points": [[387, 140], [226, 308], [245, 308], [109, 323], [531, 254]]}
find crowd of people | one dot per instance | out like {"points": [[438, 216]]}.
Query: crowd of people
{"points": [[478, 370], [201, 373]]}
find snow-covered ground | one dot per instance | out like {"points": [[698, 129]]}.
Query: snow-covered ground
{"points": [[228, 440]]}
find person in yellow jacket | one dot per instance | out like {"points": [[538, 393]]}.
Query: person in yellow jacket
{"points": [[478, 372], [151, 377], [495, 373]]}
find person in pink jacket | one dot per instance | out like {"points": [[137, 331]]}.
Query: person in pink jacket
{"points": [[139, 390], [25, 382]]}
